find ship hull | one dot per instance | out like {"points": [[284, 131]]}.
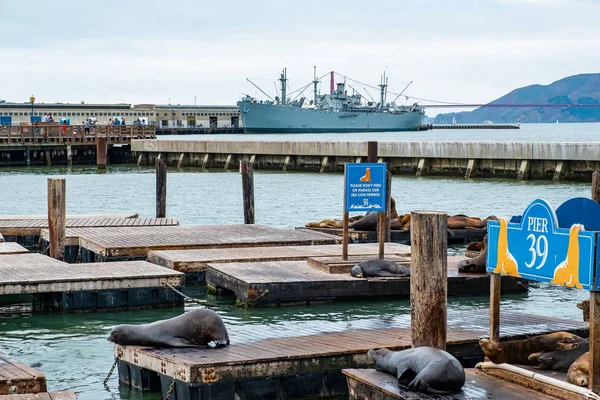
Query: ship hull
{"points": [[271, 118]]}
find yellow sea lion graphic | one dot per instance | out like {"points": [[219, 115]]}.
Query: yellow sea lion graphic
{"points": [[506, 264], [367, 177], [567, 272]]}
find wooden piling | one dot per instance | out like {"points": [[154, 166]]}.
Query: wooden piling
{"points": [[101, 152], [161, 189], [57, 216], [247, 191], [594, 372], [596, 186], [428, 278], [371, 152], [495, 307]]}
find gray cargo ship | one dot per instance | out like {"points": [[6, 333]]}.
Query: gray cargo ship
{"points": [[334, 112]]}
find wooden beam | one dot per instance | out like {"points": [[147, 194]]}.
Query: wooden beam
{"points": [[247, 191], [594, 378], [324, 164], [596, 186], [286, 162], [428, 278], [227, 161], [140, 157], [57, 217], [421, 167], [69, 155], [470, 168], [523, 170], [371, 152], [205, 161], [558, 171], [101, 157], [161, 189], [495, 307], [180, 162]]}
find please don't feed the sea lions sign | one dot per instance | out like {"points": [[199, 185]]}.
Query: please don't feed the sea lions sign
{"points": [[365, 187], [537, 249]]}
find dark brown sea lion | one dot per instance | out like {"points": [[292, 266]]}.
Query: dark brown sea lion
{"points": [[579, 372], [475, 246], [477, 264], [372, 268], [425, 369], [369, 221], [518, 351], [559, 360], [585, 307], [463, 222], [194, 328]]}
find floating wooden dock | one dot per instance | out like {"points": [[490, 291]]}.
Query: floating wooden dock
{"points": [[255, 367], [56, 285], [281, 282], [112, 244], [194, 262], [375, 385], [26, 231], [12, 248], [17, 378], [64, 395], [475, 126], [454, 235]]}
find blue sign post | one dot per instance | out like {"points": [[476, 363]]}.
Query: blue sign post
{"points": [[537, 249], [365, 187]]}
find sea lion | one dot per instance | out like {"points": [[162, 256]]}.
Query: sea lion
{"points": [[518, 351], [585, 307], [425, 368], [194, 328], [369, 221], [579, 372], [559, 360], [372, 268], [477, 264]]}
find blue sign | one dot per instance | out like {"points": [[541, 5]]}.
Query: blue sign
{"points": [[537, 249], [365, 187]]}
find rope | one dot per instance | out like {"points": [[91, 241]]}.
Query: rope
{"points": [[171, 388], [119, 355], [191, 299]]}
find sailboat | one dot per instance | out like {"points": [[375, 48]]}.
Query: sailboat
{"points": [[557, 121]]}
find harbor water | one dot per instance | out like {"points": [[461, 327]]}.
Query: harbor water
{"points": [[73, 350]]}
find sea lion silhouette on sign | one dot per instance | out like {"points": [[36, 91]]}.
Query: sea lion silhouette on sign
{"points": [[367, 177], [567, 272], [507, 264]]}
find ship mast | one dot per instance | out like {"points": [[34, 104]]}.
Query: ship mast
{"points": [[383, 86], [315, 83], [283, 81]]}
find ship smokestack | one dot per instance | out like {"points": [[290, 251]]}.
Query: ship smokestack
{"points": [[331, 82]]}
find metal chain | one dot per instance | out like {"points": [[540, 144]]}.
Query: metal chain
{"points": [[185, 296], [170, 391], [119, 355]]}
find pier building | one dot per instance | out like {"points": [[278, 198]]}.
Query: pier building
{"points": [[159, 115]]}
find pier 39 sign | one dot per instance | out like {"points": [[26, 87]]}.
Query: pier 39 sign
{"points": [[537, 249], [365, 187]]}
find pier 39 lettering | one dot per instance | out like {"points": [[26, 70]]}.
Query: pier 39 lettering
{"points": [[365, 188], [538, 249]]}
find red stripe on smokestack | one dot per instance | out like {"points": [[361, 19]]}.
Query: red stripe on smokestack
{"points": [[331, 82]]}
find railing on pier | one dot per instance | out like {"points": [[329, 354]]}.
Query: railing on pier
{"points": [[74, 133]]}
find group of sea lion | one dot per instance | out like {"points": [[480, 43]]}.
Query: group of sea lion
{"points": [[558, 351]]}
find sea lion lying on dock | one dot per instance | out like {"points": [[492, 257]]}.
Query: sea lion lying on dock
{"points": [[518, 351], [373, 268], [425, 369], [579, 372], [477, 264], [194, 328], [369, 221], [559, 360], [331, 223], [458, 221]]}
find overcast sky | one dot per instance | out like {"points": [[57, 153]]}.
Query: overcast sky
{"points": [[149, 51]]}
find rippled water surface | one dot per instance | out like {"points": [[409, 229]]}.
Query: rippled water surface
{"points": [[73, 349]]}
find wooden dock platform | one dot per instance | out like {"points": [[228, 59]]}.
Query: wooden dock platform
{"points": [[12, 248], [281, 282], [56, 285], [112, 244], [398, 236], [255, 366], [26, 231], [64, 395], [194, 262], [375, 385], [17, 378]]}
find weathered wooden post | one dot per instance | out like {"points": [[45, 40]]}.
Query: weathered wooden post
{"points": [[371, 152], [247, 191], [69, 155], [57, 217], [101, 155], [161, 189], [594, 318], [428, 278]]}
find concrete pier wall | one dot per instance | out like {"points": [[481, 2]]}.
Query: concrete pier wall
{"points": [[519, 160]]}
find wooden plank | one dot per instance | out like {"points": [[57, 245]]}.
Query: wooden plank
{"points": [[337, 265], [19, 378], [69, 216], [12, 248], [36, 273], [135, 241], [247, 358], [288, 281], [197, 260], [376, 385]]}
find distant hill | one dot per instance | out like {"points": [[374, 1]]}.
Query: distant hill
{"points": [[577, 89]]}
